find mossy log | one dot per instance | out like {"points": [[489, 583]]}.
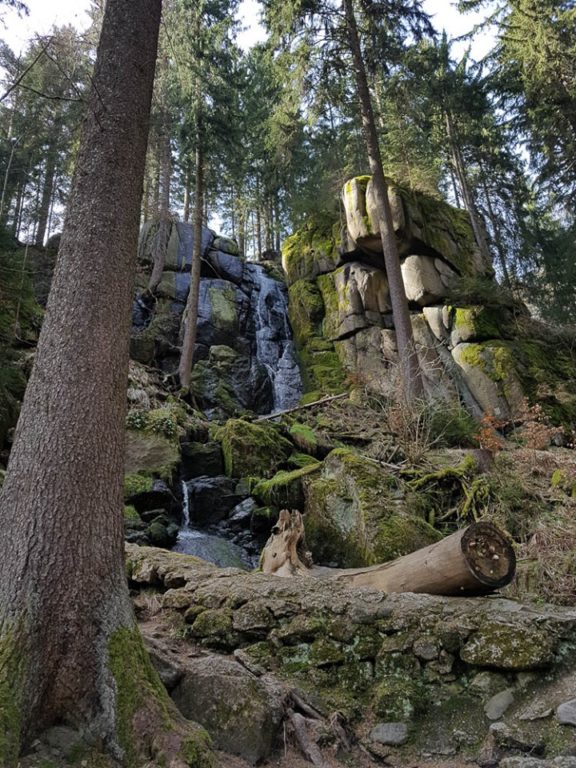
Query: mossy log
{"points": [[473, 561]]}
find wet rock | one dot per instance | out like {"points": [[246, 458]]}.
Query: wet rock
{"points": [[242, 513], [201, 459], [211, 499], [159, 496]]}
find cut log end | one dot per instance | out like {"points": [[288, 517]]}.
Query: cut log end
{"points": [[489, 555]]}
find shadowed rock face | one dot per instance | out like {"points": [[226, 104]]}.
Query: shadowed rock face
{"points": [[443, 667], [244, 356]]}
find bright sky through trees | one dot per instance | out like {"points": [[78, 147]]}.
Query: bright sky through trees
{"points": [[45, 13]]}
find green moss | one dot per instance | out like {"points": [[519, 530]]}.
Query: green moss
{"points": [[11, 678], [306, 310], [477, 323], [509, 647], [137, 483], [285, 489], [252, 449], [399, 697], [137, 687], [130, 513], [223, 307], [310, 250], [213, 627], [159, 421], [197, 750], [295, 460], [399, 535], [304, 437]]}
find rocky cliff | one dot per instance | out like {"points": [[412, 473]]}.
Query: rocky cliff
{"points": [[477, 345]]}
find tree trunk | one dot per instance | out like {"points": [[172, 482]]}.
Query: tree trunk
{"points": [[190, 317], [467, 195], [163, 232], [496, 231], [44, 212], [412, 386], [475, 560], [242, 230], [69, 648], [187, 189]]}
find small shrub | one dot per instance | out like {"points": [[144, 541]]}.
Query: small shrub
{"points": [[451, 426], [137, 419]]}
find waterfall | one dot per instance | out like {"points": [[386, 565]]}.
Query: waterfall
{"points": [[274, 345], [185, 506]]}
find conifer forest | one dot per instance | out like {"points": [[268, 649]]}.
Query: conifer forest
{"points": [[288, 384]]}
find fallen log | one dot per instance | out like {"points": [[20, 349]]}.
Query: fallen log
{"points": [[474, 561], [322, 401]]}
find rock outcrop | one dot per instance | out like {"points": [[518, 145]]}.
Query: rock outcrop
{"points": [[476, 344], [244, 358]]}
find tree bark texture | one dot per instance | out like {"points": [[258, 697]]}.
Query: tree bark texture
{"points": [[412, 385], [63, 591]]}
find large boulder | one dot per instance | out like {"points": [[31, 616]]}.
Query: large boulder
{"points": [[354, 514], [355, 296], [252, 449], [426, 279], [311, 251], [490, 373], [242, 712], [423, 224]]}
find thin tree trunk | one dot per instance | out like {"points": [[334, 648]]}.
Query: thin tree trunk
{"points": [[496, 230], [69, 648], [163, 232], [466, 191], [409, 366], [242, 230], [277, 218], [18, 207], [44, 212], [190, 317], [187, 189]]}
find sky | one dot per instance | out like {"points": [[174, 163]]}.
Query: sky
{"points": [[45, 13]]}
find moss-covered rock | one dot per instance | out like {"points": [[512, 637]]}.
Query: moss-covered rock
{"points": [[252, 449], [306, 308], [312, 250], [499, 645], [476, 323], [490, 372], [285, 489], [150, 454], [354, 515]]}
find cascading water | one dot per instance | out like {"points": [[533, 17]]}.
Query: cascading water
{"points": [[274, 345], [211, 547]]}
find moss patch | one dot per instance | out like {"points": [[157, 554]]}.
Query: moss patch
{"points": [[285, 489], [136, 483], [252, 449], [11, 677], [311, 250]]}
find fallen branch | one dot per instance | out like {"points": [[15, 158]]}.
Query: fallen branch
{"points": [[309, 748], [323, 401]]}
